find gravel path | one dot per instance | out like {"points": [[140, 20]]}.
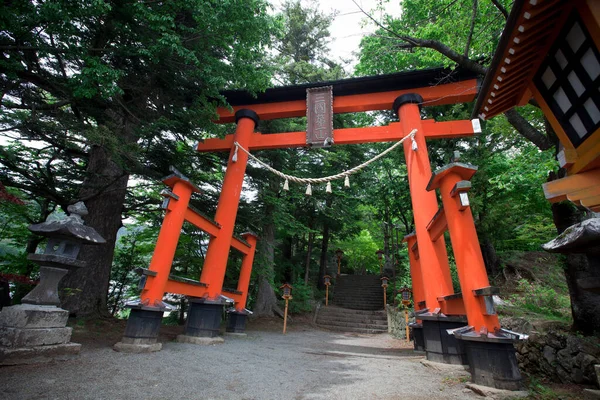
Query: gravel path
{"points": [[304, 364]]}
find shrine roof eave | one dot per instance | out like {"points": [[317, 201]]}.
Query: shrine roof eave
{"points": [[524, 42], [353, 86]]}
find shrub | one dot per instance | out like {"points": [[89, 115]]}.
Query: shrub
{"points": [[540, 299]]}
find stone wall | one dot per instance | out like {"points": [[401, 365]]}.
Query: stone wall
{"points": [[555, 354], [397, 322]]}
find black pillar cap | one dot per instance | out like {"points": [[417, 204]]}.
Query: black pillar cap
{"points": [[408, 98], [246, 113]]}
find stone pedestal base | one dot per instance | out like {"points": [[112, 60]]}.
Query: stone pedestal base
{"points": [[201, 340], [493, 364], [141, 332], [33, 334], [236, 322], [439, 345], [128, 345], [235, 334], [204, 318], [417, 335], [39, 354]]}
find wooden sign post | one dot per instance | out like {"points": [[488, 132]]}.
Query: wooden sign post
{"points": [[327, 281], [287, 296]]}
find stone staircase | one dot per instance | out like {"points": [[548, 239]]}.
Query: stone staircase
{"points": [[357, 306], [358, 292], [346, 320]]}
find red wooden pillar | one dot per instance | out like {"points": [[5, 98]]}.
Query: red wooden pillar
{"points": [[246, 271], [215, 263], [415, 271], [453, 182], [168, 237], [435, 270]]}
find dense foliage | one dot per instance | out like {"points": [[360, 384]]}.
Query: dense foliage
{"points": [[100, 97]]}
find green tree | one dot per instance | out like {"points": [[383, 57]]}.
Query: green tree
{"points": [[108, 83]]}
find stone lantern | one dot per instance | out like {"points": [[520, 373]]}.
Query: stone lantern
{"points": [[36, 331]]}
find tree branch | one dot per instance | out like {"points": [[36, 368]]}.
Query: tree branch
{"points": [[471, 29], [500, 8], [527, 130]]}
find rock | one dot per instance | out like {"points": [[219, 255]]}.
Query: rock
{"points": [[563, 375], [550, 354], [587, 366], [497, 394], [564, 358], [39, 354], [577, 375]]}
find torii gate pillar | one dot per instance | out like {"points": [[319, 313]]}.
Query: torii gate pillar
{"points": [[204, 314], [433, 258]]}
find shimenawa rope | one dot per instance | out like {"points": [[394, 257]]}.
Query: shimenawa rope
{"points": [[326, 179]]}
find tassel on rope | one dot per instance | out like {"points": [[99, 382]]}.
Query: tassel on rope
{"points": [[328, 188], [309, 190], [414, 146], [286, 185], [235, 151], [347, 181]]}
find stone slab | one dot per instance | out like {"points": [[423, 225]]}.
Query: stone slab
{"points": [[201, 340], [18, 337], [497, 394], [591, 394], [452, 369], [137, 348], [236, 334], [33, 316], [39, 354]]}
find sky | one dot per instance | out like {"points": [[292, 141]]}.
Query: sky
{"points": [[350, 24]]}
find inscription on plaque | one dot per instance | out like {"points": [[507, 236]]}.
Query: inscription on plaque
{"points": [[319, 114]]}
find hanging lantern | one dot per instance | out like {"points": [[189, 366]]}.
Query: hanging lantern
{"points": [[384, 281], [287, 291], [327, 280], [406, 295], [379, 254]]}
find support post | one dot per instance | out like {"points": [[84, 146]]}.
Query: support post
{"points": [[236, 323], [285, 316], [326, 295], [490, 351], [166, 243], [415, 270], [434, 259], [215, 262], [406, 324]]}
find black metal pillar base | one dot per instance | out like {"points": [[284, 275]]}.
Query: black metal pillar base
{"points": [[493, 364], [204, 317], [141, 331], [439, 345], [417, 335], [236, 322]]}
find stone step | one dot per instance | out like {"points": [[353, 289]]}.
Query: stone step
{"points": [[354, 330], [340, 310], [352, 325], [363, 307], [375, 321]]}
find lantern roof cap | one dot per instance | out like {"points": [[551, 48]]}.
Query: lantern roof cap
{"points": [[70, 227]]}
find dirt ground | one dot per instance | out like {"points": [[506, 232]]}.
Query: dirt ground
{"points": [[306, 363]]}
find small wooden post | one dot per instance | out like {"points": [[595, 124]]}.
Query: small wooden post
{"points": [[287, 295], [285, 316], [384, 285], [327, 281], [406, 295]]}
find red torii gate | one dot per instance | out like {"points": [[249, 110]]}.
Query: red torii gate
{"points": [[439, 307]]}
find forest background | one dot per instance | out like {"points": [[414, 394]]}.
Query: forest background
{"points": [[99, 98]]}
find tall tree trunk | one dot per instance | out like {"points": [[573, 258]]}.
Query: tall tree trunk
{"points": [[490, 258], [323, 258], [266, 300], [585, 305], [311, 238], [84, 291]]}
